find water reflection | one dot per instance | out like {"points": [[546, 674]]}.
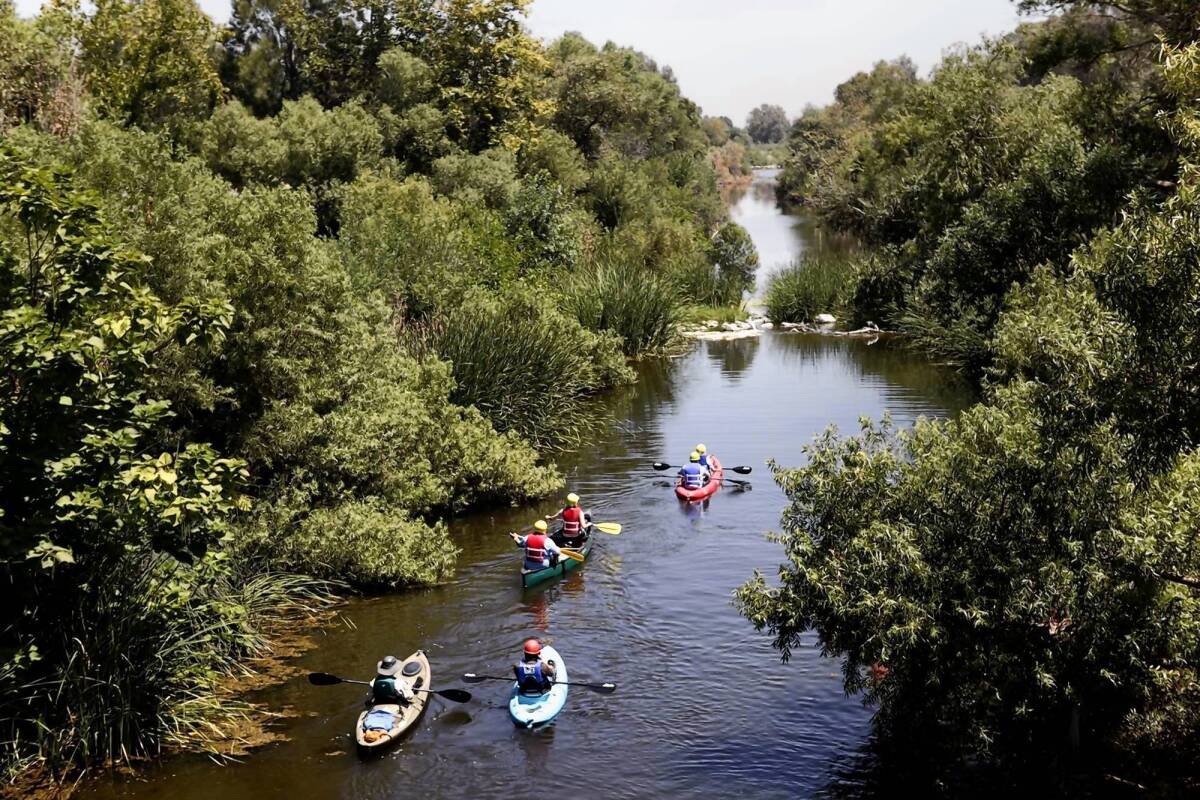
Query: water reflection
{"points": [[735, 357]]}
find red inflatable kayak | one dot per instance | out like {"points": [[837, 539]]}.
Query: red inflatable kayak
{"points": [[707, 490]]}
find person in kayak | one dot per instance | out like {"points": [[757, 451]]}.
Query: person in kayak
{"points": [[386, 687], [534, 676], [540, 549], [693, 475], [575, 524], [704, 458]]}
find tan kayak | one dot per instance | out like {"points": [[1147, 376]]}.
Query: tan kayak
{"points": [[371, 733]]}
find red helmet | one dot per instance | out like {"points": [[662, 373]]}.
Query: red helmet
{"points": [[533, 647]]}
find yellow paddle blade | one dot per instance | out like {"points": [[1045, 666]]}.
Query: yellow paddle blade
{"points": [[574, 555], [609, 527]]}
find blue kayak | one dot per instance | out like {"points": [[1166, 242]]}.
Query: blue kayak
{"points": [[529, 711]]}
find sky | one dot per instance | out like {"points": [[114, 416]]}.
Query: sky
{"points": [[731, 55]]}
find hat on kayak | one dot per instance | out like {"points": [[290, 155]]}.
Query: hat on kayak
{"points": [[694, 456], [701, 449], [572, 499], [390, 665], [540, 526], [533, 647]]}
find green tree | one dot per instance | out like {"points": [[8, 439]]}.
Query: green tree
{"points": [[149, 62], [767, 124]]}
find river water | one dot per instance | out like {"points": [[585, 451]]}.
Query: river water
{"points": [[704, 707]]}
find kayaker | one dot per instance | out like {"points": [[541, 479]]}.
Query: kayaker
{"points": [[704, 462], [386, 688], [692, 475], [575, 521], [539, 548], [534, 676]]}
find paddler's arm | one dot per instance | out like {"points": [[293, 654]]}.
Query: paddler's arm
{"points": [[520, 540]]}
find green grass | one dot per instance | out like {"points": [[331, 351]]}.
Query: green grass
{"points": [[698, 315], [811, 287]]}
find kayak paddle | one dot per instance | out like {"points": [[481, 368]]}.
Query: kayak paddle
{"points": [[325, 679], [608, 527], [739, 470], [574, 555], [598, 688]]}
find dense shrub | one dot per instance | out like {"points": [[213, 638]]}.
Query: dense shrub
{"points": [[1023, 579]]}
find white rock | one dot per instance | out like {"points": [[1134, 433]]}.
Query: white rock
{"points": [[766, 326], [826, 319], [731, 326], [789, 326]]}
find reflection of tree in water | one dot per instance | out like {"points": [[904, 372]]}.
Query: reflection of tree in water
{"points": [[631, 413], [733, 356], [763, 191], [923, 764], [887, 359]]}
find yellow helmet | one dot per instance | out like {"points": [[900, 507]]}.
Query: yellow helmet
{"points": [[572, 499], [540, 526], [694, 456], [701, 449]]}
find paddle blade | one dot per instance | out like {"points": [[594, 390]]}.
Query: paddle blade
{"points": [[323, 679], [457, 695], [741, 470], [471, 677], [574, 555], [609, 527], [661, 465], [603, 688]]}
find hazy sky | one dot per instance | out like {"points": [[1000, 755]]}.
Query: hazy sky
{"points": [[731, 55]]}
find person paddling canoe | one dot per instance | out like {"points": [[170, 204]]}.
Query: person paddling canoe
{"points": [[534, 675], [693, 475], [386, 688], [705, 458], [540, 549], [574, 533]]}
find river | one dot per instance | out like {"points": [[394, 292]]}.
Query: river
{"points": [[704, 706]]}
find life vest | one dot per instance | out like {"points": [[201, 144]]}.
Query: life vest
{"points": [[572, 522], [530, 677], [704, 461], [693, 476], [535, 548]]}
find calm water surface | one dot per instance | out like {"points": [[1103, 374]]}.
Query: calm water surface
{"points": [[704, 708]]}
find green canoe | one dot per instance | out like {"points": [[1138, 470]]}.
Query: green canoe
{"points": [[532, 577]]}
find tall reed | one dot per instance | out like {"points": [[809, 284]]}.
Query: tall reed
{"points": [[523, 362], [810, 287], [137, 659], [627, 299]]}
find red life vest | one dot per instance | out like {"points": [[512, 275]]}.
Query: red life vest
{"points": [[535, 547], [572, 521]]}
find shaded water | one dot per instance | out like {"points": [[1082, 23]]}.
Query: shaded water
{"points": [[704, 706]]}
